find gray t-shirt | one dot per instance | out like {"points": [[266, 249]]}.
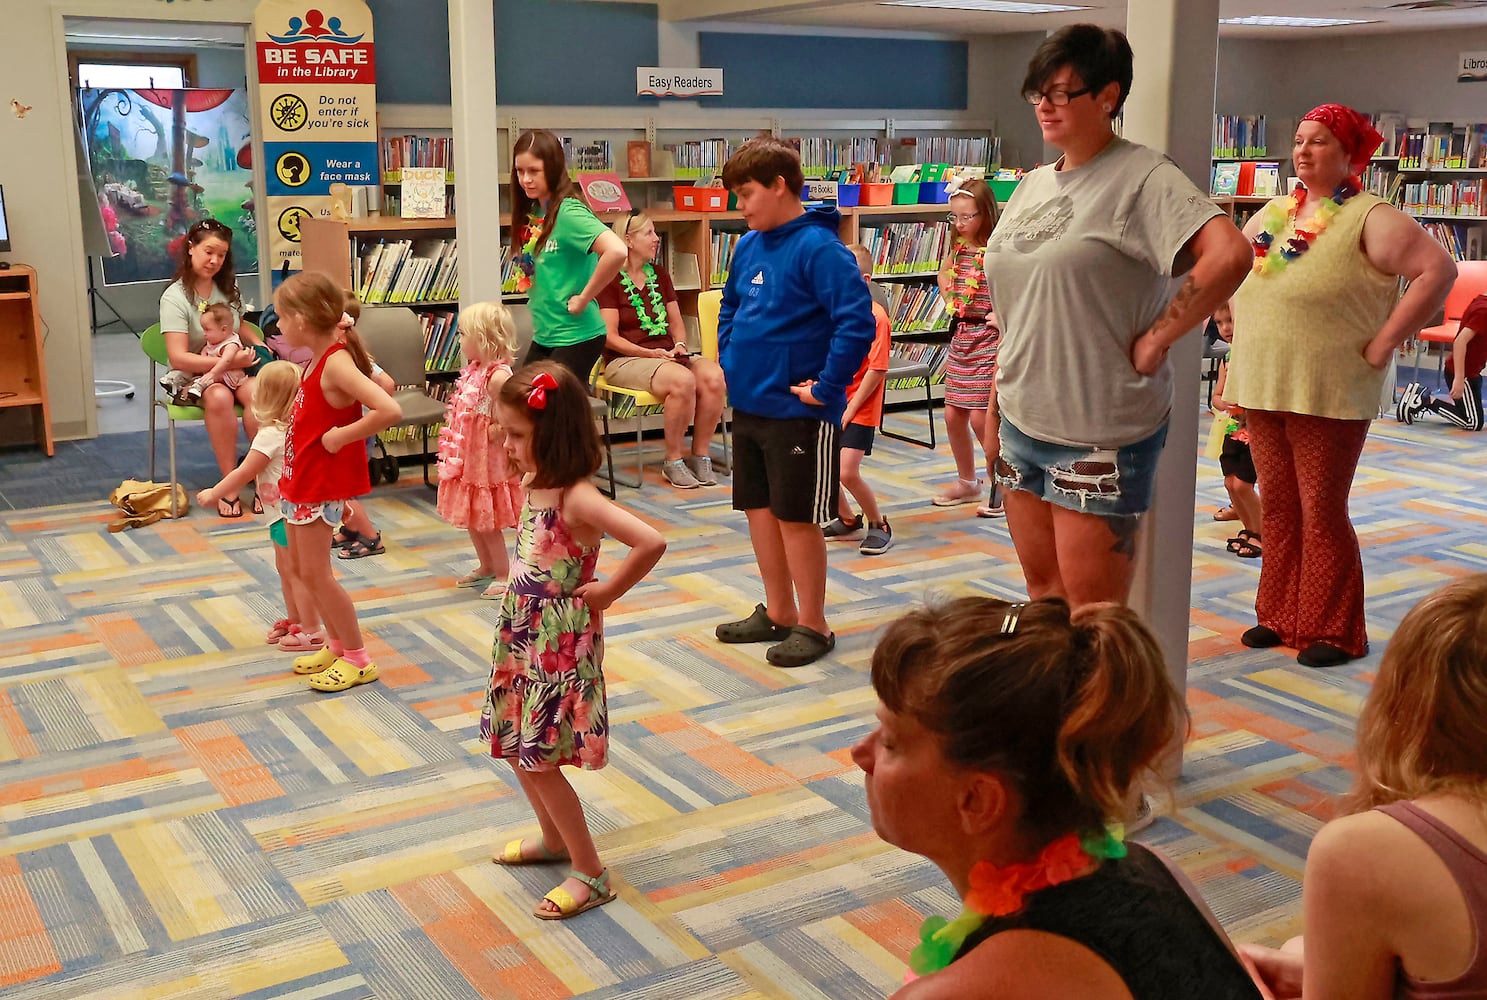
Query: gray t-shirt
{"points": [[178, 313], [1080, 265]]}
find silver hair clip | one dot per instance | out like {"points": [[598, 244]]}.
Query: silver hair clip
{"points": [[1009, 620]]}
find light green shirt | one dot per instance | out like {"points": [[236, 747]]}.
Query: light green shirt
{"points": [[178, 313], [563, 266]]}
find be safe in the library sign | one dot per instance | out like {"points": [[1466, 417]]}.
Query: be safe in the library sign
{"points": [[1473, 68], [671, 81]]}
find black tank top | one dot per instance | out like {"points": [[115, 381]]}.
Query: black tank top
{"points": [[1134, 915]]}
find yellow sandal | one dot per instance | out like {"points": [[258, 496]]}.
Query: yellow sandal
{"points": [[599, 894], [511, 855], [343, 675], [314, 663]]}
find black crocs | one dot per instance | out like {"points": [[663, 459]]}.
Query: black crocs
{"points": [[756, 628], [803, 645]]}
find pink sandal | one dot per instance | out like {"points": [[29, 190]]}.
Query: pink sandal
{"points": [[300, 641], [280, 630]]}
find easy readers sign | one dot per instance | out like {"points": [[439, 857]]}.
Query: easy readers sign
{"points": [[671, 81]]}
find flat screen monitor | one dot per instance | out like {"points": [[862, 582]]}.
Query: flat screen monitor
{"points": [[4, 226]]}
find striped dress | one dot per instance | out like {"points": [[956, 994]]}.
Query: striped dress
{"points": [[970, 364]]}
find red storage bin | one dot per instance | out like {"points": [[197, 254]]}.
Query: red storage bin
{"points": [[696, 199], [877, 194]]}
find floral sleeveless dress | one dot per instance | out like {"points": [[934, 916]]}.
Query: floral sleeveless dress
{"points": [[545, 705]]}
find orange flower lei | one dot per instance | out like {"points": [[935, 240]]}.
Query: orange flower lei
{"points": [[999, 892]]}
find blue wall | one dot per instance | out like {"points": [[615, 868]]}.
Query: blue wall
{"points": [[412, 38], [567, 52], [809, 71]]}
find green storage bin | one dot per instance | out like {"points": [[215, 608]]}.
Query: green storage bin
{"points": [[1002, 190], [906, 193]]}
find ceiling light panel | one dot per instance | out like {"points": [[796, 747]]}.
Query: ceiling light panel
{"points": [[995, 6], [1267, 21]]}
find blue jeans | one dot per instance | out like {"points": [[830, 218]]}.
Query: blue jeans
{"points": [[1106, 482]]}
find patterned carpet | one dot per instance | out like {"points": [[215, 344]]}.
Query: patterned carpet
{"points": [[180, 817]]}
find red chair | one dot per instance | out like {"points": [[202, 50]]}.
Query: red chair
{"points": [[1471, 281]]}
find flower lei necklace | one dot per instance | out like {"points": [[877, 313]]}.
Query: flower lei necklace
{"points": [[652, 320], [1280, 214], [526, 260], [999, 892], [959, 302]]}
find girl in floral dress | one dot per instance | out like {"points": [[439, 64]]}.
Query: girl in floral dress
{"points": [[545, 705], [477, 489]]}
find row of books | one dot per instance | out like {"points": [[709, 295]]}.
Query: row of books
{"points": [[425, 270], [907, 247], [1444, 198], [1382, 181], [1462, 242], [1246, 179], [1238, 136], [700, 157], [595, 155], [934, 354], [915, 307], [819, 154], [1443, 146], [441, 341], [723, 244], [401, 151], [981, 151]]}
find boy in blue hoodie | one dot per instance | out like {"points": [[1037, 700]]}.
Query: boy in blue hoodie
{"points": [[795, 325]]}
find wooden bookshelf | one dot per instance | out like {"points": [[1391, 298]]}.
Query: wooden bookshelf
{"points": [[22, 354]]}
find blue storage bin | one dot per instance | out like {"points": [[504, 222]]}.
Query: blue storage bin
{"points": [[934, 192], [847, 195]]}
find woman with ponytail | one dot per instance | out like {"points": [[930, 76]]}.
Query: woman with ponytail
{"points": [[1007, 734]]}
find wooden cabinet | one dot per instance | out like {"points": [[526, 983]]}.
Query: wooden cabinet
{"points": [[22, 355]]}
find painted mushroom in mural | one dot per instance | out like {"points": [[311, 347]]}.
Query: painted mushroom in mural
{"points": [[180, 103]]}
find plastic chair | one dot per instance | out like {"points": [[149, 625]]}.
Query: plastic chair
{"points": [[152, 342], [394, 336], [709, 306], [906, 370], [1471, 281], [642, 403]]}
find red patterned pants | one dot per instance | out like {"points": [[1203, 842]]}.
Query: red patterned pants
{"points": [[1311, 580]]}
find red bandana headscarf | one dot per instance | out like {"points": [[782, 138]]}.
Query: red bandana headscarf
{"points": [[1353, 130]]}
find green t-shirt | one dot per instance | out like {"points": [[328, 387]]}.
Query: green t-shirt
{"points": [[563, 266]]}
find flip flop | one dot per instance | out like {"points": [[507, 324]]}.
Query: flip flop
{"points": [[599, 894], [363, 546], [280, 630], [474, 581], [512, 857], [495, 592], [230, 508], [257, 507]]}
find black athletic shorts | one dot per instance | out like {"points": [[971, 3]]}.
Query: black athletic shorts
{"points": [[788, 465], [1235, 460], [858, 436], [578, 358]]}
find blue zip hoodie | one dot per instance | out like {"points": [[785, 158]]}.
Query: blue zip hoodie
{"points": [[795, 308]]}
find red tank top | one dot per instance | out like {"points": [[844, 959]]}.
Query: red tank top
{"points": [[311, 474]]}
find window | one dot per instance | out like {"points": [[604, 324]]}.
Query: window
{"points": [[166, 71]]}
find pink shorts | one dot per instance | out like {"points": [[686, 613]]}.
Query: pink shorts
{"points": [[332, 512]]}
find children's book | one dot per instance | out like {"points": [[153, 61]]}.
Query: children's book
{"points": [[1267, 180], [1225, 179], [604, 191], [638, 158], [423, 193]]}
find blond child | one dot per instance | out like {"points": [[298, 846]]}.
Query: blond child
{"points": [[477, 489], [273, 399], [1235, 460], [859, 422], [222, 342], [325, 464], [545, 707]]}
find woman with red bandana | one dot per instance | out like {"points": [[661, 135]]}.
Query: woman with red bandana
{"points": [[1314, 327]]}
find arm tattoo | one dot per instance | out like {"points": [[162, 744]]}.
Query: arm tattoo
{"points": [[1189, 291]]}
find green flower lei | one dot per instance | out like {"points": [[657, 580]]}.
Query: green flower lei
{"points": [[652, 321]]}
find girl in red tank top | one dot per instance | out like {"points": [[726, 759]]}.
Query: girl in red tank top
{"points": [[1395, 901], [325, 464]]}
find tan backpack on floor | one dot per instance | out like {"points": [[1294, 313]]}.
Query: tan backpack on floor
{"points": [[145, 502]]}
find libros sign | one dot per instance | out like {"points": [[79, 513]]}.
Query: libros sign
{"points": [[670, 81], [1472, 68]]}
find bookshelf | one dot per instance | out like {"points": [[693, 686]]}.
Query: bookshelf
{"points": [[1435, 172], [22, 353]]}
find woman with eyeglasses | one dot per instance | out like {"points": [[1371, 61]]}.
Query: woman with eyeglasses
{"points": [[646, 348], [970, 362], [1102, 261], [565, 254], [205, 276]]}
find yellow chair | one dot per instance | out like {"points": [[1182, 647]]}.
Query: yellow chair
{"points": [[709, 306], [152, 342]]}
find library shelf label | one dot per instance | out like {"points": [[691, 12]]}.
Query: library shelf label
{"points": [[317, 95], [673, 81], [1473, 68]]}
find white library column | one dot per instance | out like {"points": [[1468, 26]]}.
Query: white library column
{"points": [[1171, 109], [477, 171]]}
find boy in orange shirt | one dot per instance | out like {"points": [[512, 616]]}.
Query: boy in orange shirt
{"points": [[859, 422]]}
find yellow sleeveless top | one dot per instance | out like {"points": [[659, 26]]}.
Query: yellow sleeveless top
{"points": [[1299, 333]]}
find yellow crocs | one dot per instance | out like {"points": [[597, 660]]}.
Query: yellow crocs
{"points": [[315, 662], [343, 675]]}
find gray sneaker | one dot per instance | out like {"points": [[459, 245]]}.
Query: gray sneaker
{"points": [[678, 475], [879, 539], [842, 531], [701, 467]]}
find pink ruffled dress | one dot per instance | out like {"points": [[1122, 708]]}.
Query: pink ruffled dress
{"points": [[477, 488]]}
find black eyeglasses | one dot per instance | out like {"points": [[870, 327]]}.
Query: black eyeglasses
{"points": [[1058, 98]]}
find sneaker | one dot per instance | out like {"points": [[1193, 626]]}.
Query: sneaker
{"points": [[879, 539], [701, 467], [678, 475], [1410, 404], [841, 530]]}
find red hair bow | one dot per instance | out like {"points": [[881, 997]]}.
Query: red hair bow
{"points": [[541, 386]]}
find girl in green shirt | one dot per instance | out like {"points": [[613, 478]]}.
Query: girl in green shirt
{"points": [[557, 238]]}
